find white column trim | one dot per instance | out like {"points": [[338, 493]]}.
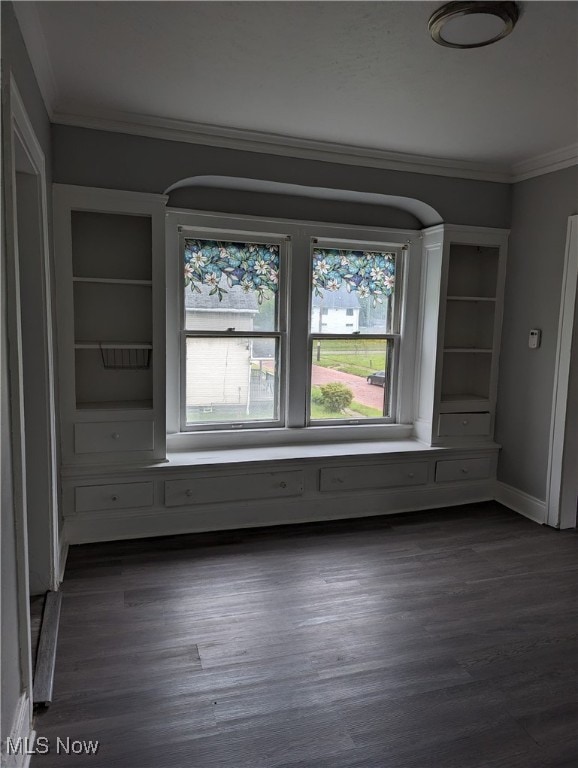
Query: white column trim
{"points": [[556, 516]]}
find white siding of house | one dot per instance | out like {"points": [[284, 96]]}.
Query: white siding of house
{"points": [[335, 321], [206, 320], [224, 378]]}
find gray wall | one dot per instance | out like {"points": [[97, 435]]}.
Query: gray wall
{"points": [[540, 211], [15, 60], [119, 161]]}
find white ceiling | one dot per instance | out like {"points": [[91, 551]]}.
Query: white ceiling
{"points": [[359, 73]]}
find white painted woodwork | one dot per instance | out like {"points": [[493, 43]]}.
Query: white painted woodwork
{"points": [[562, 486], [111, 294], [203, 490], [464, 424], [113, 436], [89, 498], [463, 469], [529, 506], [459, 334], [240, 488], [351, 478]]}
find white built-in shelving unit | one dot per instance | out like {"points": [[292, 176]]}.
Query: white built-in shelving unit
{"points": [[459, 344], [111, 296]]}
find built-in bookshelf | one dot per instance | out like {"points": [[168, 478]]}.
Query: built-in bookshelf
{"points": [[113, 304], [470, 309], [464, 270], [111, 297]]}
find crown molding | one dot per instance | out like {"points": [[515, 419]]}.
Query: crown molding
{"points": [[546, 163], [35, 42], [277, 144]]}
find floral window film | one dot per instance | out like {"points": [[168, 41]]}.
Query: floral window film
{"points": [[223, 266], [367, 273]]}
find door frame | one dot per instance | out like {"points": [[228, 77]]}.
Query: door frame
{"points": [[18, 128], [561, 508]]}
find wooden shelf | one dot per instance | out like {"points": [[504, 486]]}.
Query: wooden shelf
{"points": [[471, 298], [112, 281], [115, 405], [112, 345]]}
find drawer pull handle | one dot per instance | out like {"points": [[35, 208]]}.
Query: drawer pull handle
{"points": [[337, 479], [411, 474], [188, 492], [465, 471], [465, 422], [115, 436], [114, 498], [283, 484]]}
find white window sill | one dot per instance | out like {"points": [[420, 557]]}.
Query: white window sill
{"points": [[295, 452], [218, 440]]}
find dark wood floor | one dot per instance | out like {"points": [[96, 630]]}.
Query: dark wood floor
{"points": [[435, 640]]}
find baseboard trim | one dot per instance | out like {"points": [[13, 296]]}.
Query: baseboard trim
{"points": [[523, 503], [141, 523], [63, 554], [21, 736]]}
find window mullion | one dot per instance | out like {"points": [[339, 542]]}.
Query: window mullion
{"points": [[298, 331]]}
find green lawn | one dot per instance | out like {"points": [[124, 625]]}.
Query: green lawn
{"points": [[358, 357], [357, 365]]}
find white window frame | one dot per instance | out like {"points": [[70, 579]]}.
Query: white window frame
{"points": [[280, 333], [296, 374], [394, 335]]}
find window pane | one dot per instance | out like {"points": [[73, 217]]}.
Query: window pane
{"points": [[350, 378], [231, 379], [353, 291], [230, 285]]}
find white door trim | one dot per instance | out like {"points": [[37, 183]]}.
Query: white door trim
{"points": [[22, 127], [18, 128], [16, 397], [556, 516]]}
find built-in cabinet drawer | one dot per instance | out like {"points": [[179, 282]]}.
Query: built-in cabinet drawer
{"points": [[207, 490], [89, 498], [463, 469], [112, 436], [466, 424], [350, 478]]}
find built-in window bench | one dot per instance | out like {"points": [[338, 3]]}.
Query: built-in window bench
{"points": [[215, 489]]}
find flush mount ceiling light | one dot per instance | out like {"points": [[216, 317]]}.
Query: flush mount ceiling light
{"points": [[472, 24]]}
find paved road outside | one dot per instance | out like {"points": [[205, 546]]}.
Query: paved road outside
{"points": [[364, 393]]}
